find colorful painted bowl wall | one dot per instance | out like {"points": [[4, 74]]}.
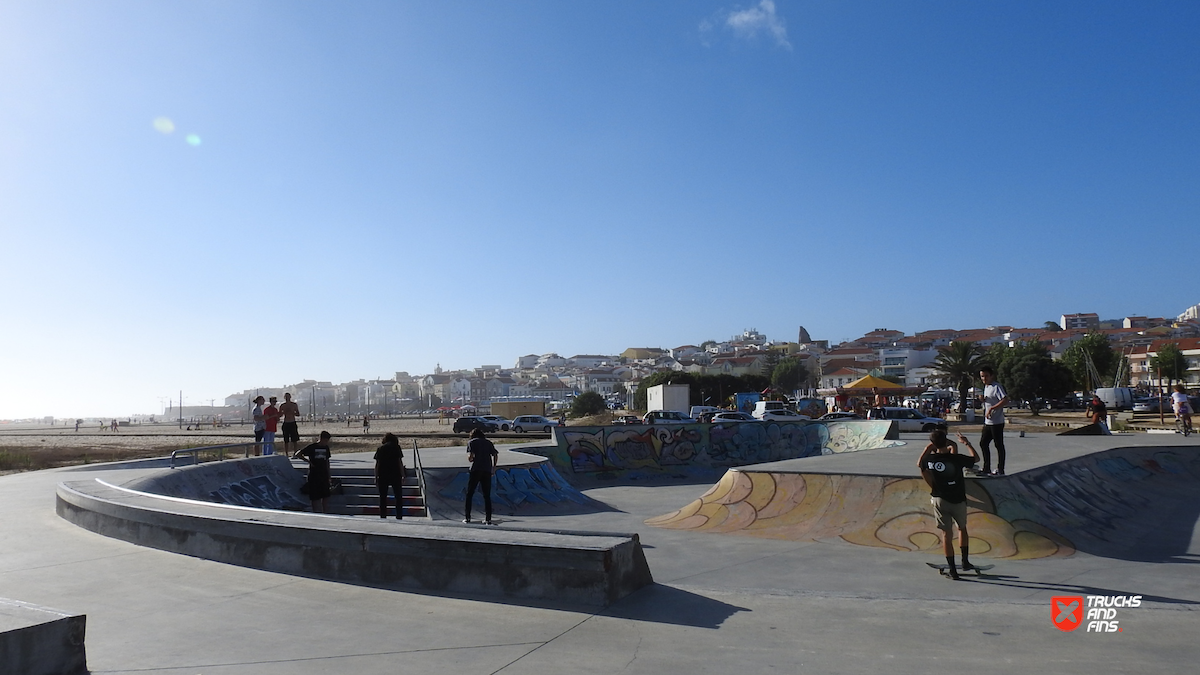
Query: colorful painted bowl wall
{"points": [[647, 452]]}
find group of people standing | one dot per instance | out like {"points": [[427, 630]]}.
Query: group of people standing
{"points": [[266, 425], [389, 473]]}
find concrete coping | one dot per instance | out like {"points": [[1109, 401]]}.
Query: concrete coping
{"points": [[560, 566]]}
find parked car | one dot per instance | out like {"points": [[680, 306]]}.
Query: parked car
{"points": [[783, 416], [731, 418], [499, 420], [839, 416], [524, 423], [627, 419], [465, 425], [908, 419], [1148, 405], [667, 417]]}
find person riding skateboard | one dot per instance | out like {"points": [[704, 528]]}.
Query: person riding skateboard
{"points": [[942, 468]]}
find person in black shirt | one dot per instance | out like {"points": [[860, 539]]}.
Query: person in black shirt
{"points": [[317, 455], [942, 468], [389, 472], [482, 455]]}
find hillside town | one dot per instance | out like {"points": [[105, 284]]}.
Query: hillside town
{"points": [[889, 354]]}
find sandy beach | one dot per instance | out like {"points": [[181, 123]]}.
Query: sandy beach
{"points": [[28, 446]]}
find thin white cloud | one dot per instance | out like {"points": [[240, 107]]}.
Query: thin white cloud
{"points": [[749, 23]]}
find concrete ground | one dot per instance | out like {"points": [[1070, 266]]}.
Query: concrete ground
{"points": [[721, 603]]}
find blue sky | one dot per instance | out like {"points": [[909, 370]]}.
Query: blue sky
{"points": [[372, 187]]}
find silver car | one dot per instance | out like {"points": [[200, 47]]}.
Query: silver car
{"points": [[667, 417], [783, 416], [907, 419], [499, 420], [732, 417], [525, 423]]}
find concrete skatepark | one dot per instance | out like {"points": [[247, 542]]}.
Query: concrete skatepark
{"points": [[827, 600]]}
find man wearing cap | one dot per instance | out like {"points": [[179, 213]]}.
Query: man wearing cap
{"points": [[260, 424], [271, 420]]}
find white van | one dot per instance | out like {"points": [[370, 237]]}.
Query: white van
{"points": [[698, 410], [1116, 398], [761, 407]]}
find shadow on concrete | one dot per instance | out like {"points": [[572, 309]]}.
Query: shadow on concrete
{"points": [[664, 604], [1013, 581]]}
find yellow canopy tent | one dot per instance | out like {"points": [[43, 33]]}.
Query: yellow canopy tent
{"points": [[872, 382]]}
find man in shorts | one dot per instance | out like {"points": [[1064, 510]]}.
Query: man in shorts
{"points": [[942, 468], [271, 420], [291, 431]]}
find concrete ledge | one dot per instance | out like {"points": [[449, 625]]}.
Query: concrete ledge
{"points": [[40, 641], [573, 568]]}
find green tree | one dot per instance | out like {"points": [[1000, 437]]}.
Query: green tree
{"points": [[588, 403], [788, 375], [996, 355], [754, 382], [1029, 373], [1103, 356], [1052, 326], [771, 359], [717, 389], [1170, 363], [957, 365]]}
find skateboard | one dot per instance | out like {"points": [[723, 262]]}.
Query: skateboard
{"points": [[944, 569]]}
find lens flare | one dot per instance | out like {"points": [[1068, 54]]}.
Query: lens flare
{"points": [[164, 125], [193, 140]]}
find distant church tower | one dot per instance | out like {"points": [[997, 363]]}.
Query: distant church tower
{"points": [[804, 338], [438, 370]]}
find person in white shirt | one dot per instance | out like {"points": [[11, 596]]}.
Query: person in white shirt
{"points": [[1181, 404], [994, 400]]}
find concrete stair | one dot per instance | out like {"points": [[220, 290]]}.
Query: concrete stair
{"points": [[358, 495]]}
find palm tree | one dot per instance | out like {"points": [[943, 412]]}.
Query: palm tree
{"points": [[957, 364]]}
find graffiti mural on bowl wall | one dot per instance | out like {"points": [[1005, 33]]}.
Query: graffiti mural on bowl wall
{"points": [[879, 511], [259, 492], [518, 487], [644, 450], [1130, 503]]}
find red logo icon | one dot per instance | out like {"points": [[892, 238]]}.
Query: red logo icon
{"points": [[1067, 611]]}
